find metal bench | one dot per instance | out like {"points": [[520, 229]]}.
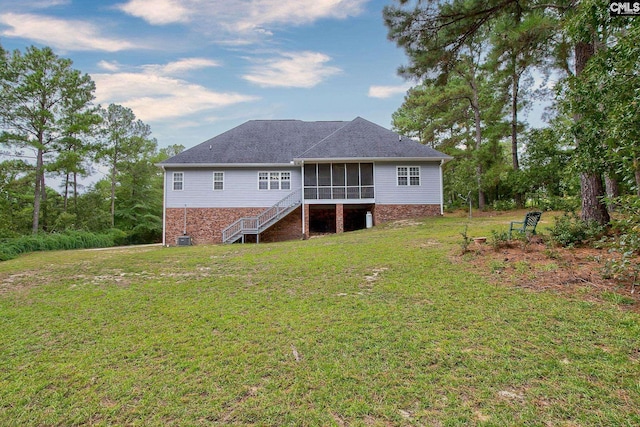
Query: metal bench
{"points": [[527, 226]]}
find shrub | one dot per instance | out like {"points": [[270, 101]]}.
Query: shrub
{"points": [[499, 239], [569, 231], [624, 245], [11, 248]]}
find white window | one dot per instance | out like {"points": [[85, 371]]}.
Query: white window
{"points": [[285, 180], [218, 180], [178, 181], [263, 180], [274, 180], [408, 175]]}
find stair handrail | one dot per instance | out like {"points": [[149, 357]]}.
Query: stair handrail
{"points": [[265, 219]]}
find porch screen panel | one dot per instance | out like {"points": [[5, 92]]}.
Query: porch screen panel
{"points": [[310, 176], [366, 180], [353, 181], [324, 181], [311, 181], [338, 174]]}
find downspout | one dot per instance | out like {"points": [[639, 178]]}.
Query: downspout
{"points": [[164, 207], [302, 198], [441, 189]]}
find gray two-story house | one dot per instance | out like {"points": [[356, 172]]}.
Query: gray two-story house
{"points": [[270, 180]]}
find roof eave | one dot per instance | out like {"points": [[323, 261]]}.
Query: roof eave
{"points": [[443, 159], [223, 165]]}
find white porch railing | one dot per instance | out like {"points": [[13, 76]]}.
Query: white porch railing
{"points": [[258, 224]]}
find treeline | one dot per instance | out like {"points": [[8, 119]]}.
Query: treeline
{"points": [[481, 64], [51, 131]]}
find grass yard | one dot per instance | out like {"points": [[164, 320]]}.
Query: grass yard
{"points": [[381, 327]]}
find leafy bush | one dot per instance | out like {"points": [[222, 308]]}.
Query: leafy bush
{"points": [[569, 231], [504, 205], [499, 239], [11, 248], [556, 203], [624, 246]]}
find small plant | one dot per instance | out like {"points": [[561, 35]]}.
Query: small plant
{"points": [[617, 298], [522, 267], [524, 240], [497, 267], [466, 240], [499, 239]]}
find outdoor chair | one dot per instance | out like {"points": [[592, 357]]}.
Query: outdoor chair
{"points": [[527, 226]]}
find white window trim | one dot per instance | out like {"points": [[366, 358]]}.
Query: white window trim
{"points": [[268, 175], [408, 176], [213, 185], [174, 181]]}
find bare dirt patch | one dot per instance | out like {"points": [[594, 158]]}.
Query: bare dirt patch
{"points": [[540, 267]]}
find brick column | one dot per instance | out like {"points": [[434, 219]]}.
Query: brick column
{"points": [[339, 218], [306, 221]]}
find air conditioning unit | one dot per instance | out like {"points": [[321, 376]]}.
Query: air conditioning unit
{"points": [[184, 241]]}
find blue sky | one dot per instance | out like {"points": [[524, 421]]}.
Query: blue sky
{"points": [[193, 69]]}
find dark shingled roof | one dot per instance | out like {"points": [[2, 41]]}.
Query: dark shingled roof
{"points": [[362, 139], [282, 141]]}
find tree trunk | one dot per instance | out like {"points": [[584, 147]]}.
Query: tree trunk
{"points": [[593, 208], [636, 167], [113, 197], [66, 192], [611, 186], [519, 197], [591, 188], [75, 193], [514, 119], [37, 194], [475, 105], [43, 196]]}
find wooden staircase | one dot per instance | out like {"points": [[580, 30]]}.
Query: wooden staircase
{"points": [[258, 224]]}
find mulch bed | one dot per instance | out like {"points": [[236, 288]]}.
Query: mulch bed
{"points": [[541, 267]]}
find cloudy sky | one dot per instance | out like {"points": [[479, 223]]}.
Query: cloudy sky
{"points": [[192, 69]]}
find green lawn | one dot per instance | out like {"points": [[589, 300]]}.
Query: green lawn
{"points": [[371, 328]]}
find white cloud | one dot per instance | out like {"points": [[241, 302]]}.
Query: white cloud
{"points": [[60, 33], [265, 12], [292, 69], [181, 66], [384, 92], [109, 66], [158, 12], [155, 96], [240, 21]]}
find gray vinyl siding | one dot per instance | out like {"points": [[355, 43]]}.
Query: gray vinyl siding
{"points": [[240, 188], [389, 192]]}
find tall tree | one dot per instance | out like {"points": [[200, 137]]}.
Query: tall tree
{"points": [[124, 140], [433, 33], [40, 94]]}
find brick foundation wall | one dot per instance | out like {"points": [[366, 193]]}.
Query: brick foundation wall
{"points": [[288, 228], [205, 225], [385, 213]]}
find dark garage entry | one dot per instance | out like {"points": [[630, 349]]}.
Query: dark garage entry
{"points": [[355, 216], [322, 219]]}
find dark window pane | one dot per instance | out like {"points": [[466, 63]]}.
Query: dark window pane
{"points": [[366, 173], [353, 174], [338, 174], [324, 174], [310, 175]]}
